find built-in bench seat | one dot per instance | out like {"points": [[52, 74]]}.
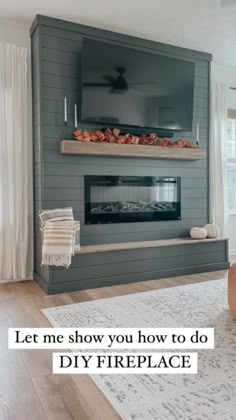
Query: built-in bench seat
{"points": [[92, 249], [111, 264]]}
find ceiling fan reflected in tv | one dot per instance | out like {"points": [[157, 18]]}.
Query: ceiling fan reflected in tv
{"points": [[118, 84], [132, 87]]}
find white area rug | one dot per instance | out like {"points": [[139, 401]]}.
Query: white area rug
{"points": [[210, 395]]}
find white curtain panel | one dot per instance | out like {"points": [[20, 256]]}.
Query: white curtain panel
{"points": [[218, 157], [15, 167]]}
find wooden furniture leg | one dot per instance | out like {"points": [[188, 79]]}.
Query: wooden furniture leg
{"points": [[232, 290]]}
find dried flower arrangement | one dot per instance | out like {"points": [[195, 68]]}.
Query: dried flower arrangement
{"points": [[115, 136]]}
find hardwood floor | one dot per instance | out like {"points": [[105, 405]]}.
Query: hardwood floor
{"points": [[28, 390]]}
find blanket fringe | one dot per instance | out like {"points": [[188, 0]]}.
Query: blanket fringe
{"points": [[57, 260]]}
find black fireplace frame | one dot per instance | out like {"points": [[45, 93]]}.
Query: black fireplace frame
{"points": [[132, 217]]}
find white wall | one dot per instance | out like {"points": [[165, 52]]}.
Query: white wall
{"points": [[227, 74], [15, 33], [223, 73]]}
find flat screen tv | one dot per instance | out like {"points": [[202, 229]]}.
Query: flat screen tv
{"points": [[130, 87]]}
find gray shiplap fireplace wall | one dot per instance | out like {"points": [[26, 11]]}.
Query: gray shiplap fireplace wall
{"points": [[58, 179]]}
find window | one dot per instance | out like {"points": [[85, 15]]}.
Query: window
{"points": [[231, 160]]}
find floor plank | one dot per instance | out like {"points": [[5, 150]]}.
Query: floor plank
{"points": [[18, 396]]}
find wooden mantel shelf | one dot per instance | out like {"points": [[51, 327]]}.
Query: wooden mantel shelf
{"points": [[75, 147]]}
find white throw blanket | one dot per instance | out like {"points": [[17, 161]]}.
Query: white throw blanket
{"points": [[59, 231]]}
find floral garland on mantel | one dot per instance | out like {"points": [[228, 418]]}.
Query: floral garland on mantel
{"points": [[115, 136]]}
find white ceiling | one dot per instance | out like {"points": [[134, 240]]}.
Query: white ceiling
{"points": [[198, 24]]}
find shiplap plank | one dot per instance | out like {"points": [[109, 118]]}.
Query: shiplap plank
{"points": [[199, 102], [133, 237], [137, 277], [61, 57], [201, 72], [63, 69], [64, 182], [201, 82], [85, 169], [58, 82], [124, 268], [59, 94], [61, 44], [37, 181]]}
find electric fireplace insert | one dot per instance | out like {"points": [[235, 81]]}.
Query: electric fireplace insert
{"points": [[127, 199]]}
